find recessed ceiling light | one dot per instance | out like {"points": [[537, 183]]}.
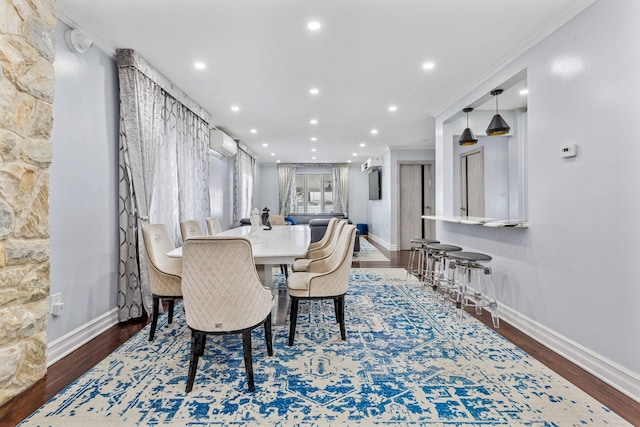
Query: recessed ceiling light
{"points": [[393, 108], [264, 144], [348, 161], [354, 154], [277, 161], [374, 131], [273, 154], [313, 150], [313, 121], [235, 108], [362, 144], [199, 65], [313, 158], [427, 66], [253, 131], [314, 139], [314, 25], [314, 91], [524, 91]]}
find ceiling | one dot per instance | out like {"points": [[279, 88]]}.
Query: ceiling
{"points": [[367, 56]]}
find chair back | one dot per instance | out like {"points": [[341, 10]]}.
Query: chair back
{"points": [[277, 220], [335, 269], [331, 226], [190, 228], [330, 247], [213, 226], [221, 288], [164, 272]]}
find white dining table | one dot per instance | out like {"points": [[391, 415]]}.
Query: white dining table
{"points": [[271, 248]]}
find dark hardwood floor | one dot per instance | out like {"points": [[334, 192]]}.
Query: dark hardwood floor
{"points": [[64, 372]]}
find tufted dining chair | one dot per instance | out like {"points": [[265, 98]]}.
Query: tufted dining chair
{"points": [[164, 272], [301, 265], [213, 226], [223, 295], [190, 228], [327, 278], [327, 236]]}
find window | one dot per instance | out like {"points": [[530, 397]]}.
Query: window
{"points": [[314, 193]]}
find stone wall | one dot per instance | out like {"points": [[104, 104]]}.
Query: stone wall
{"points": [[27, 52]]}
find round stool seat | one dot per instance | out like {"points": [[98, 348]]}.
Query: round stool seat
{"points": [[441, 247], [470, 256], [424, 241]]}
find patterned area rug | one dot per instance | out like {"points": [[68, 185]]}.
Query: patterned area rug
{"points": [[406, 361], [368, 252]]}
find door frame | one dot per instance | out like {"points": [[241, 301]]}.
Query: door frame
{"points": [[464, 178], [432, 178]]}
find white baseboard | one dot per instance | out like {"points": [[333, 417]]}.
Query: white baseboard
{"points": [[64, 345], [388, 246], [616, 376]]}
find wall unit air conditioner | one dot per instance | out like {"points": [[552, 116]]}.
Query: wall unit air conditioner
{"points": [[371, 163], [222, 143]]}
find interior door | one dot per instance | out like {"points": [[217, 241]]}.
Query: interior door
{"points": [[472, 183], [428, 200], [410, 208], [416, 198]]}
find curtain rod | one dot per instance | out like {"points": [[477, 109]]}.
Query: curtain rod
{"points": [[130, 58]]}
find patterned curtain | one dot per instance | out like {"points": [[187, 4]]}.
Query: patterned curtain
{"points": [[340, 178], [244, 172], [163, 174], [286, 187]]}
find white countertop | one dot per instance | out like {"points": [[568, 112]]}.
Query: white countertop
{"points": [[485, 222]]}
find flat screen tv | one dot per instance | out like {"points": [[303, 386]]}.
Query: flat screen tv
{"points": [[374, 184]]}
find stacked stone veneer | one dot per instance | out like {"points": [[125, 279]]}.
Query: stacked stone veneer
{"points": [[27, 50]]}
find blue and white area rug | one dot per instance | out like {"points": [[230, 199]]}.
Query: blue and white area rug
{"points": [[368, 252], [406, 361]]}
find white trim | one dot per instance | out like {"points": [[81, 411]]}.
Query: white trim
{"points": [[615, 375], [384, 244], [64, 345]]}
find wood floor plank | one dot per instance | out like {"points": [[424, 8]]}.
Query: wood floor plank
{"points": [[67, 370]]}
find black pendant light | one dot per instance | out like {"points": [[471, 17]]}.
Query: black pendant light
{"points": [[467, 137], [497, 126]]}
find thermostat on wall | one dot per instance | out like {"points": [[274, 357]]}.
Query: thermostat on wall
{"points": [[568, 150]]}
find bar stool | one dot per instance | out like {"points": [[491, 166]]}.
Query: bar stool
{"points": [[419, 247], [437, 261], [475, 288]]}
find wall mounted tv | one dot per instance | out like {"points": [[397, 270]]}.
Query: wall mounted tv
{"points": [[374, 184]]}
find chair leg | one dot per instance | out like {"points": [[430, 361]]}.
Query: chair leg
{"points": [[202, 344], [196, 350], [343, 332], [268, 335], [248, 360], [292, 320], [284, 269], [154, 317], [336, 309], [170, 316]]}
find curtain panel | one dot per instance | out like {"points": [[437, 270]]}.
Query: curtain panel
{"points": [[286, 188], [244, 172], [340, 178], [163, 171]]}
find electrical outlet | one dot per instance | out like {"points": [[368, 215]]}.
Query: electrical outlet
{"points": [[54, 299]]}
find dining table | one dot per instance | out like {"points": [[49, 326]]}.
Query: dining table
{"points": [[280, 245]]}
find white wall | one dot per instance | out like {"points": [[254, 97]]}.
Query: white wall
{"points": [[268, 190], [84, 180], [572, 274], [383, 213]]}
